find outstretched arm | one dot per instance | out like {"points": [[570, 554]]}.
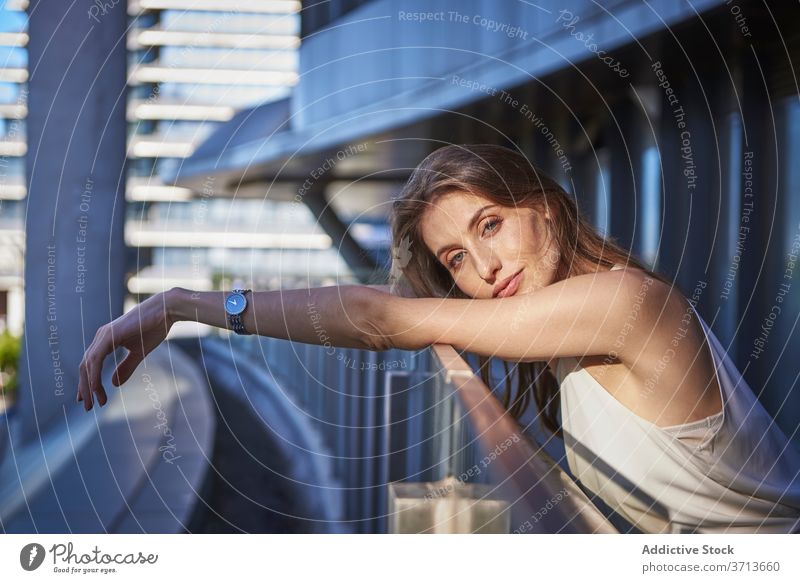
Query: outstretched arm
{"points": [[317, 315], [610, 312], [334, 314]]}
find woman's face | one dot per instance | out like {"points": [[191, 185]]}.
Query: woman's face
{"points": [[482, 245]]}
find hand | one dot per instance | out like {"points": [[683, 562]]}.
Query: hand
{"points": [[140, 330]]}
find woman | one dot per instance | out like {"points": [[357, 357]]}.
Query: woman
{"points": [[496, 260]]}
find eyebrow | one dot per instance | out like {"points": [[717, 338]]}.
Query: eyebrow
{"points": [[472, 222]]}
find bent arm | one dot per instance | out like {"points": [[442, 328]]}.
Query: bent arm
{"points": [[397, 289], [594, 314], [318, 315]]}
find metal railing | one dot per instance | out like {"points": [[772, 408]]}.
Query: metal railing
{"points": [[487, 447], [418, 443]]}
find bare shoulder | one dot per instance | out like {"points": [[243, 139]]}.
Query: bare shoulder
{"points": [[648, 298], [638, 308], [631, 297], [670, 379], [649, 304], [665, 305]]}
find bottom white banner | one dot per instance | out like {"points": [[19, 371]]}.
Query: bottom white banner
{"points": [[760, 557]]}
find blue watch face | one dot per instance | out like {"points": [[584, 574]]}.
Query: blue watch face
{"points": [[235, 304]]}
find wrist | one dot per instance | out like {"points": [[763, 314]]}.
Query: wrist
{"points": [[174, 304]]}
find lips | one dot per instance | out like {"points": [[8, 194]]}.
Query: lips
{"points": [[508, 287]]}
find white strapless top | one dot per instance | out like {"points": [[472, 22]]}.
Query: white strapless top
{"points": [[734, 471]]}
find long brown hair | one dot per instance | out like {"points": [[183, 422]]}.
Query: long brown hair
{"points": [[505, 177]]}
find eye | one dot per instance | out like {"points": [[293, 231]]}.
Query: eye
{"points": [[493, 224], [452, 263], [488, 226]]}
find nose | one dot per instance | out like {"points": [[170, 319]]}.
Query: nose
{"points": [[487, 264]]}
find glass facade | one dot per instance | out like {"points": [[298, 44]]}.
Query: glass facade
{"points": [[13, 109], [178, 96]]}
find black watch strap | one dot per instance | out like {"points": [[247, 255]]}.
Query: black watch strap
{"points": [[235, 321]]}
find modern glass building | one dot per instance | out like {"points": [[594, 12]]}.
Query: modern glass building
{"points": [[13, 110], [192, 67]]}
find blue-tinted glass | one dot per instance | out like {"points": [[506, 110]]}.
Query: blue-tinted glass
{"points": [[602, 189], [650, 205]]}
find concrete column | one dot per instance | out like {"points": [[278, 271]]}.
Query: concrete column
{"points": [[76, 203], [359, 261]]}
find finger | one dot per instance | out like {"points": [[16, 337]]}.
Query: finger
{"points": [[78, 397], [83, 385], [85, 371], [126, 368], [96, 384], [102, 346]]}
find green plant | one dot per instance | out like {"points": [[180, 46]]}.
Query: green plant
{"points": [[10, 347], [219, 280]]}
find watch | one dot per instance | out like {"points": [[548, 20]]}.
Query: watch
{"points": [[235, 303]]}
